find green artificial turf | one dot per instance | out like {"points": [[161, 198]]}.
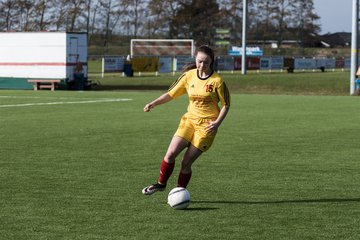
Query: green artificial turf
{"points": [[281, 167], [299, 83]]}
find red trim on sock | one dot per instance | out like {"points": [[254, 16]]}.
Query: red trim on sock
{"points": [[184, 179], [166, 170]]}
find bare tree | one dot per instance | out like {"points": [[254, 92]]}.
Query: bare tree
{"points": [[59, 15], [134, 14], [91, 14], [197, 19], [160, 16], [74, 11], [231, 12], [282, 18], [304, 20], [107, 6], [266, 19], [26, 15], [8, 10], [42, 10]]}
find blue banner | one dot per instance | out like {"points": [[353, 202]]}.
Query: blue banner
{"points": [[250, 51], [165, 64]]}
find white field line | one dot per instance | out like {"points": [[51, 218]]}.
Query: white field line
{"points": [[32, 97], [60, 103]]}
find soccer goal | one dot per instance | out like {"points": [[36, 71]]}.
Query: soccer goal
{"points": [[162, 47]]}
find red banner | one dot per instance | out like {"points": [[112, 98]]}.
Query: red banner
{"points": [[252, 63], [339, 62]]}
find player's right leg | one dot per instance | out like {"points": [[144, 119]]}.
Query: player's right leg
{"points": [[177, 144]]}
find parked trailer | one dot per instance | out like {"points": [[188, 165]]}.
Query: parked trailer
{"points": [[42, 55]]}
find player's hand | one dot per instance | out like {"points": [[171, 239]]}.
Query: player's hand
{"points": [[148, 107], [212, 127]]}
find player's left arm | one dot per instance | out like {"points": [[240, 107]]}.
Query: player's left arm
{"points": [[224, 96], [214, 125]]}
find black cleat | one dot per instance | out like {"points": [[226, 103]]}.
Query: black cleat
{"points": [[153, 188]]}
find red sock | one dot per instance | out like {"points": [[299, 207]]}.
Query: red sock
{"points": [[183, 179], [166, 170]]}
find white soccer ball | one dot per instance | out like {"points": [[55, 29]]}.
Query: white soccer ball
{"points": [[179, 198]]}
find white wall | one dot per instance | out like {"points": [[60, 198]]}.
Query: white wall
{"points": [[37, 54]]}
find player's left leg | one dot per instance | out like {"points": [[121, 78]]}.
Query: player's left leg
{"points": [[200, 143], [190, 156]]}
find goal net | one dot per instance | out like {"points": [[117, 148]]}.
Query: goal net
{"points": [[162, 47]]}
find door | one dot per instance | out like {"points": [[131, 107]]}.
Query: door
{"points": [[73, 56]]}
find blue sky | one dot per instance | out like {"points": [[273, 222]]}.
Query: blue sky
{"points": [[335, 15]]}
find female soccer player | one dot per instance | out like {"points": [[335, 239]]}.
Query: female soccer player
{"points": [[198, 127]]}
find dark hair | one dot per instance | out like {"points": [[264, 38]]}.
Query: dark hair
{"points": [[204, 49]]}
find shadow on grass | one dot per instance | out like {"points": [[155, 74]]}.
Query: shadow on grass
{"points": [[305, 201]]}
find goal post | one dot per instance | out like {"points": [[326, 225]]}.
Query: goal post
{"points": [[162, 47]]}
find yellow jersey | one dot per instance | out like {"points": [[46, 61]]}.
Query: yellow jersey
{"points": [[204, 93]]}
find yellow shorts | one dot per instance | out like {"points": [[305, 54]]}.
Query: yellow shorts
{"points": [[192, 129]]}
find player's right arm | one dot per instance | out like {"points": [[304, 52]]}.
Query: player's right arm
{"points": [[176, 89], [160, 100]]}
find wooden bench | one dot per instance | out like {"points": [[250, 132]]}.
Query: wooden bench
{"points": [[44, 83]]}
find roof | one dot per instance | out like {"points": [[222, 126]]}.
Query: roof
{"points": [[336, 39]]}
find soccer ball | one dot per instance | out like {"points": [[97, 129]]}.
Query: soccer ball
{"points": [[179, 198]]}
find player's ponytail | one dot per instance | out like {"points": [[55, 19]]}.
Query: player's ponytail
{"points": [[188, 66], [205, 49]]}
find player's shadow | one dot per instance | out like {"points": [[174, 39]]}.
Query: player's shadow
{"points": [[303, 201]]}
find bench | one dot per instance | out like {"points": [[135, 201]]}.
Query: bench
{"points": [[44, 83]]}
